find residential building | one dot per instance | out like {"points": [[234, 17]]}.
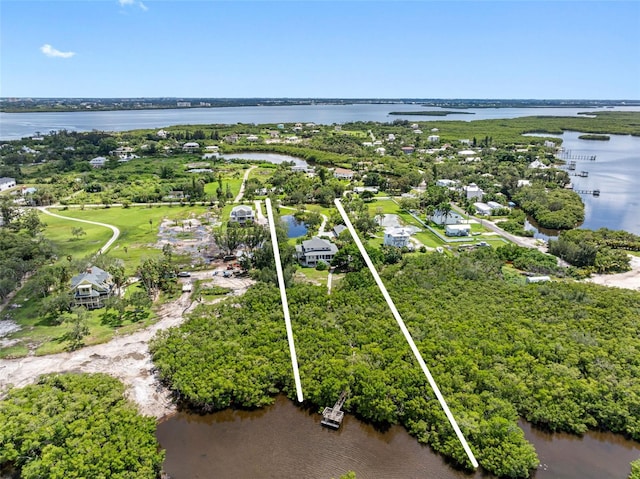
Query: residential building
{"points": [[98, 162], [91, 287], [483, 209], [397, 236], [312, 251], [242, 214], [446, 183], [495, 205], [538, 165], [473, 191], [338, 229], [407, 150], [183, 104], [190, 146], [549, 144], [6, 183], [343, 173], [439, 218], [457, 230], [433, 138]]}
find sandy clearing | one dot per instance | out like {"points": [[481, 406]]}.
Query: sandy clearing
{"points": [[628, 280], [124, 357]]}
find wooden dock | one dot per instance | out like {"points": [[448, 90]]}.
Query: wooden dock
{"points": [[568, 155], [332, 416], [588, 192]]}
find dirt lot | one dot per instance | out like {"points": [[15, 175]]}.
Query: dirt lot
{"points": [[125, 357], [628, 280]]}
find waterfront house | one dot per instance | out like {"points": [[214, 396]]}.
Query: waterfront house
{"points": [[312, 251], [242, 214], [457, 230], [6, 183], [397, 236], [91, 287], [538, 165]]}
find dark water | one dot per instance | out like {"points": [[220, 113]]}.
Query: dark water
{"points": [[295, 228], [17, 125], [283, 441]]}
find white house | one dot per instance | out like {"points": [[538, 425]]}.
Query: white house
{"points": [[98, 162], [310, 252], [549, 144], [483, 209], [190, 146], [391, 137], [522, 183], [242, 214], [161, 134], [466, 153], [446, 183], [457, 230], [538, 165], [538, 279], [381, 151], [6, 183], [433, 138], [495, 205], [439, 218], [343, 173], [473, 191], [252, 138], [397, 236]]}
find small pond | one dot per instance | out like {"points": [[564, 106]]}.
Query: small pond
{"points": [[295, 228]]}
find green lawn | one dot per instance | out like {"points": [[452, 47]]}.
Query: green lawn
{"points": [[58, 231]]}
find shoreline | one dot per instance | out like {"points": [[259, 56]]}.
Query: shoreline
{"points": [[124, 357]]}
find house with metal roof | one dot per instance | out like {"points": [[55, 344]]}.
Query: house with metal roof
{"points": [[242, 214], [312, 251], [91, 287]]}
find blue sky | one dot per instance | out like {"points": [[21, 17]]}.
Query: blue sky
{"points": [[382, 49]]}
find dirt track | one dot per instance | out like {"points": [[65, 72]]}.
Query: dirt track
{"points": [[125, 357]]}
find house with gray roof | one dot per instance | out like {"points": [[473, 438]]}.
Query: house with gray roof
{"points": [[242, 214], [312, 251], [91, 287]]}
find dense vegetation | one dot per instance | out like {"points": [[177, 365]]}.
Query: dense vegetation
{"points": [[73, 425], [595, 137], [563, 356], [554, 209], [601, 251]]}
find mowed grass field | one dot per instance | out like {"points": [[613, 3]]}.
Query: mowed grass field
{"points": [[138, 230]]}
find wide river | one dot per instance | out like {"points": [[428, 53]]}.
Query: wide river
{"points": [[17, 125], [286, 442]]}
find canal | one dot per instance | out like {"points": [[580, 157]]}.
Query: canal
{"points": [[284, 441]]}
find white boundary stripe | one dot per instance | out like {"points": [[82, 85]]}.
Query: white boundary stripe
{"points": [[407, 335], [283, 296]]}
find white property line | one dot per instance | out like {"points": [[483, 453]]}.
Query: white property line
{"points": [[407, 335], [283, 296]]}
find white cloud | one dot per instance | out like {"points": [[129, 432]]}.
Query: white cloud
{"points": [[49, 51], [124, 3]]}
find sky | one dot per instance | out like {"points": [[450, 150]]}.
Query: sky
{"points": [[320, 49]]}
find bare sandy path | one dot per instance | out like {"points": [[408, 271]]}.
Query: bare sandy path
{"points": [[124, 357]]}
